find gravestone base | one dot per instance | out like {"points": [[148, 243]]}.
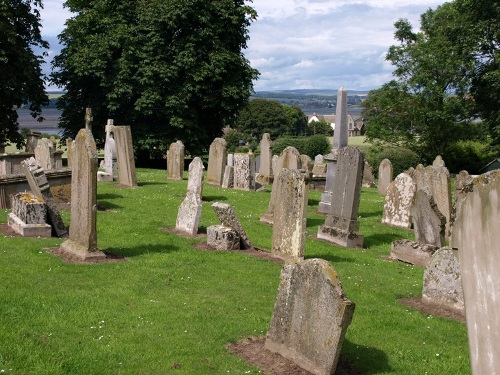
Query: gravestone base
{"points": [[411, 252], [222, 238], [103, 176], [74, 248], [263, 179], [326, 202], [267, 218], [341, 237], [29, 230]]}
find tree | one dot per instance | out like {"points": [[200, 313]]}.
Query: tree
{"points": [[22, 80], [170, 69]]}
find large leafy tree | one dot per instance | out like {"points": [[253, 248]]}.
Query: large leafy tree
{"points": [[171, 69], [22, 80]]}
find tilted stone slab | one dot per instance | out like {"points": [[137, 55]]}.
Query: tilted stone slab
{"points": [[311, 316], [189, 214], [228, 218], [411, 252], [124, 155]]}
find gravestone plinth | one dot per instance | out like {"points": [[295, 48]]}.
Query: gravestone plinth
{"points": [[311, 316], [29, 216], [220, 237]]}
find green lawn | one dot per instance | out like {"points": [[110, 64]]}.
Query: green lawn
{"points": [[171, 309]]}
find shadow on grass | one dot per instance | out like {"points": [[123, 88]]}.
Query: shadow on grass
{"points": [[378, 213], [315, 222], [313, 202], [213, 198], [329, 257], [109, 196], [130, 252], [372, 358], [105, 206], [146, 183], [380, 238]]}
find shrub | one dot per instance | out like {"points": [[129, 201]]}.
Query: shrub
{"points": [[233, 138], [401, 158], [468, 155], [311, 146]]}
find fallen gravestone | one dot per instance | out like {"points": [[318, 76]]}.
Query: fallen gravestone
{"points": [[228, 218], [411, 252]]}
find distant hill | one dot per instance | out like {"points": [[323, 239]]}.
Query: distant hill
{"points": [[309, 92]]}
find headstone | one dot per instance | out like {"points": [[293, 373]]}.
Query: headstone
{"points": [[442, 284], [44, 154], [290, 214], [32, 141], [476, 235], [228, 218], [222, 238], [274, 163], [88, 119], [104, 177], [125, 155], [384, 176], [244, 172], [412, 252], [230, 160], [82, 240], [195, 177], [341, 223], [175, 161], [289, 158], [29, 216], [319, 167], [398, 202], [311, 316], [428, 222], [110, 159], [228, 180], [368, 177], [265, 175], [306, 165], [69, 151], [39, 186], [189, 214], [462, 179], [217, 160], [438, 162]]}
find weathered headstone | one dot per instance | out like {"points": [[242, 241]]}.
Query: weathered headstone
{"points": [[476, 235], [195, 177], [217, 160], [29, 216], [228, 218], [175, 161], [32, 141], [428, 222], [222, 238], [398, 201], [384, 176], [462, 179], [290, 214], [319, 167], [125, 155], [442, 284], [39, 186], [438, 162], [311, 316], [69, 151], [228, 180], [244, 172], [189, 214], [368, 177], [265, 175], [82, 240], [412, 252], [331, 168], [110, 159], [230, 160], [341, 223], [289, 158], [44, 153]]}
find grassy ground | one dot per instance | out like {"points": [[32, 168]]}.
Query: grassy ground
{"points": [[171, 309]]}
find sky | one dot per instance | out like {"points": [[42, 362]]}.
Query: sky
{"points": [[307, 44]]}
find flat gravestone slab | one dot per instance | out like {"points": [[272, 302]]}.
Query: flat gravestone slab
{"points": [[411, 252]]}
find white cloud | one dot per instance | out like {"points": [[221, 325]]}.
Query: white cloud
{"points": [[53, 17]]}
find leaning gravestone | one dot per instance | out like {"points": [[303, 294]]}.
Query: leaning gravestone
{"points": [[475, 233], [290, 213], [289, 158], [398, 202], [442, 281], [228, 218], [82, 240], [189, 214], [428, 222], [29, 216], [228, 180], [265, 175], [306, 164], [244, 172], [341, 223], [39, 186], [384, 176], [175, 161], [196, 171], [311, 316], [217, 160], [125, 155]]}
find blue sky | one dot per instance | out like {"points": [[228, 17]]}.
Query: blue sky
{"points": [[307, 44]]}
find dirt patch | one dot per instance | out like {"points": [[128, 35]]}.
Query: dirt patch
{"points": [[8, 231], [425, 308], [255, 252], [70, 258], [253, 352]]}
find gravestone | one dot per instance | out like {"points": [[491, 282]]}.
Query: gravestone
{"points": [[189, 214], [398, 202], [438, 162], [384, 176], [32, 141], [412, 252], [44, 153], [319, 167], [442, 284], [217, 160], [289, 158], [88, 119], [196, 171], [368, 177], [230, 160], [341, 223], [69, 151], [175, 161], [228, 180], [462, 179], [290, 214], [311, 316], [29, 216], [265, 175], [110, 159], [306, 165], [222, 238], [39, 186], [429, 223], [82, 241], [228, 218], [244, 172], [476, 235], [274, 162], [125, 155]]}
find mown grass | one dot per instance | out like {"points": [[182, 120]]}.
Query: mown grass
{"points": [[171, 309]]}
